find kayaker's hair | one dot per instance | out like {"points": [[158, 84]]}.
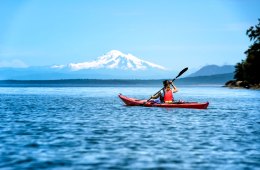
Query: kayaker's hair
{"points": [[165, 83]]}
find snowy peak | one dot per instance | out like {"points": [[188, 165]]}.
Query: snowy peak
{"points": [[114, 53], [115, 60]]}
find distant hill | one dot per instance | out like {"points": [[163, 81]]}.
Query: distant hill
{"points": [[213, 70], [204, 80]]}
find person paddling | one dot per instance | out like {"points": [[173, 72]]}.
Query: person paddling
{"points": [[165, 96], [168, 93]]}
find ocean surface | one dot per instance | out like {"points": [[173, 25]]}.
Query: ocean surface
{"points": [[90, 128]]}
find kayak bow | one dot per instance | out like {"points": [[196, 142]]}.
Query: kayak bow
{"points": [[136, 102]]}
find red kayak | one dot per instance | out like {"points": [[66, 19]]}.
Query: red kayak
{"points": [[135, 102]]}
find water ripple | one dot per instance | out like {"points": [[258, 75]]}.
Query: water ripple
{"points": [[56, 129]]}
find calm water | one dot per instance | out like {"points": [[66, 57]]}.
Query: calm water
{"points": [[90, 128]]}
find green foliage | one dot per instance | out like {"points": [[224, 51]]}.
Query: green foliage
{"points": [[249, 69]]}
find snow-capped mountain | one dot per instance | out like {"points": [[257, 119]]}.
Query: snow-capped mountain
{"points": [[112, 65], [113, 60]]}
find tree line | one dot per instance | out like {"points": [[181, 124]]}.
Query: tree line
{"points": [[248, 70]]}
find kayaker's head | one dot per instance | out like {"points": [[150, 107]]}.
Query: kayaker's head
{"points": [[165, 83]]}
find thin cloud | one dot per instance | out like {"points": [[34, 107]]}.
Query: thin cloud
{"points": [[13, 63]]}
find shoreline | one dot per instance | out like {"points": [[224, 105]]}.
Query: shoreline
{"points": [[235, 84]]}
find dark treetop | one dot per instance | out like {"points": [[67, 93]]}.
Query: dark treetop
{"points": [[247, 72]]}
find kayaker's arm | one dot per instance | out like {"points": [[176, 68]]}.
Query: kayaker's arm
{"points": [[156, 95], [174, 88]]}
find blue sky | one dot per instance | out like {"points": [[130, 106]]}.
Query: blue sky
{"points": [[172, 33]]}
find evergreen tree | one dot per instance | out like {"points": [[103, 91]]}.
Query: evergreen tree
{"points": [[249, 69]]}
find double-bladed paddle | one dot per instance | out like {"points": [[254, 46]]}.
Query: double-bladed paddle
{"points": [[184, 70]]}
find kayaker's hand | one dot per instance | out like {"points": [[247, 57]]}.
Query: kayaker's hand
{"points": [[153, 97]]}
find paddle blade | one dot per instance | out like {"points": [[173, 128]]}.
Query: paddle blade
{"points": [[184, 70]]}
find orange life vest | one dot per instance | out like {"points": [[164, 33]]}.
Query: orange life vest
{"points": [[168, 97]]}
